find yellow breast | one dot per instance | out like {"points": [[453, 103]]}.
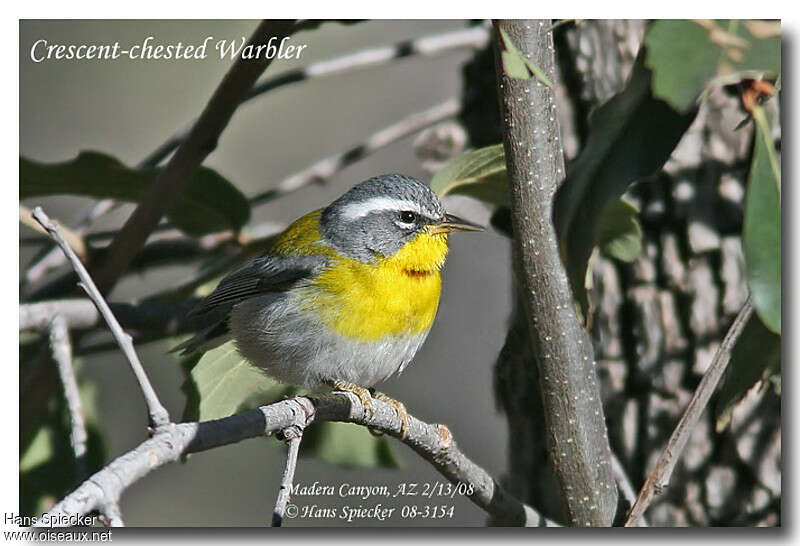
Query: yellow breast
{"points": [[396, 295]]}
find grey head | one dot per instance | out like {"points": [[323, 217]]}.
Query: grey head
{"points": [[378, 216]]}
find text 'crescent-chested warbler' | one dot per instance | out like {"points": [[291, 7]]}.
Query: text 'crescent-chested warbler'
{"points": [[346, 295]]}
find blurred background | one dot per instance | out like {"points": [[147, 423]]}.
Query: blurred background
{"points": [[126, 108]]}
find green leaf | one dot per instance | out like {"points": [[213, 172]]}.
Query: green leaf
{"points": [[687, 56], [630, 137], [618, 233], [517, 65], [222, 383], [514, 66], [479, 173], [761, 233], [348, 445], [755, 357], [210, 203]]}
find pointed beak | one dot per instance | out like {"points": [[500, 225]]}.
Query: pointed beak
{"points": [[453, 223]]}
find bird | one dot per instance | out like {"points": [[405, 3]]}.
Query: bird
{"points": [[345, 296]]}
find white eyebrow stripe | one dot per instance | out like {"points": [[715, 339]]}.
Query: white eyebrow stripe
{"points": [[360, 209]]}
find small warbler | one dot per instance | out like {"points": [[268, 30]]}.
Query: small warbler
{"points": [[345, 296]]}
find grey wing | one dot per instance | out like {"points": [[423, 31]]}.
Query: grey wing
{"points": [[256, 277], [259, 276]]}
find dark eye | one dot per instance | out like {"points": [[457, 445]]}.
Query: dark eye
{"points": [[408, 217]]}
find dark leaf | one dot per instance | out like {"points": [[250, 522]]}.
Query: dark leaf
{"points": [[210, 203], [631, 136], [761, 233]]}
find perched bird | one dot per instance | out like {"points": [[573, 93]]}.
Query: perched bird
{"points": [[345, 296]]}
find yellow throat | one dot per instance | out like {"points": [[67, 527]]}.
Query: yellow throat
{"points": [[398, 295]]}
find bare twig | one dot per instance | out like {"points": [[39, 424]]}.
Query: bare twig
{"points": [[576, 434], [62, 354], [201, 140], [322, 170], [433, 442], [293, 437], [147, 317], [659, 476], [158, 414]]}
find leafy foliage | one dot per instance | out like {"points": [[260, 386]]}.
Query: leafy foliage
{"points": [[631, 136], [761, 234], [210, 203], [685, 56], [481, 174], [222, 383]]}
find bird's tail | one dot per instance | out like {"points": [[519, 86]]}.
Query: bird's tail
{"points": [[205, 339]]}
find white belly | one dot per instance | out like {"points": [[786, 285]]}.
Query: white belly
{"points": [[296, 348]]}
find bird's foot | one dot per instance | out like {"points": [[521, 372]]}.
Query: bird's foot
{"points": [[399, 407], [363, 393]]}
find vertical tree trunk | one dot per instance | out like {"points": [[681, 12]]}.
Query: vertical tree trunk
{"points": [[575, 429]]}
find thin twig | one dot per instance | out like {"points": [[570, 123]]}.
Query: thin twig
{"points": [[62, 354], [433, 442], [293, 437], [158, 414], [659, 476], [323, 170], [202, 138]]}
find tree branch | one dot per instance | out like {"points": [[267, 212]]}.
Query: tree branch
{"points": [[293, 437], [158, 414], [201, 140], [433, 442], [576, 431], [659, 476], [62, 354]]}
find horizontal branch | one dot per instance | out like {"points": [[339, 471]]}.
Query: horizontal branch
{"points": [[164, 318], [431, 441]]}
